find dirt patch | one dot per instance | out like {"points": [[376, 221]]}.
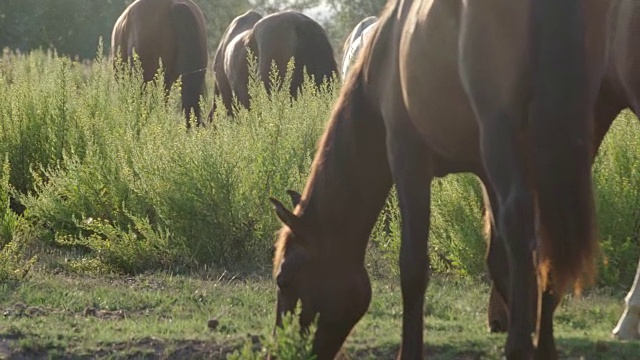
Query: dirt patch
{"points": [[154, 348], [145, 348], [104, 314], [22, 310]]}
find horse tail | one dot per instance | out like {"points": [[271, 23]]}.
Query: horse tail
{"points": [[561, 141], [189, 27], [313, 51]]}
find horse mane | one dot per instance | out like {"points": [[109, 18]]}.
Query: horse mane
{"points": [[342, 124], [320, 174]]}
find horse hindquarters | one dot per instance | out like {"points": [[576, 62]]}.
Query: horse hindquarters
{"points": [[539, 167], [192, 61], [608, 106]]}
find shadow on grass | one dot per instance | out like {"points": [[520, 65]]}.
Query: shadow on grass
{"points": [[577, 347], [569, 348]]}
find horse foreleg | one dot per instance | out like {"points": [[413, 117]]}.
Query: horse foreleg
{"points": [[629, 325], [412, 175]]}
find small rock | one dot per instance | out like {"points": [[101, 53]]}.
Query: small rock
{"points": [[89, 311], [213, 324], [255, 340], [33, 311]]}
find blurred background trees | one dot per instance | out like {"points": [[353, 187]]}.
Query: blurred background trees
{"points": [[73, 27]]}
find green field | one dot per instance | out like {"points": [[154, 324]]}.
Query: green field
{"points": [[166, 316], [122, 234]]}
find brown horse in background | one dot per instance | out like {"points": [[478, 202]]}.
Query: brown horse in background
{"points": [[507, 96], [275, 38], [171, 30], [620, 89]]}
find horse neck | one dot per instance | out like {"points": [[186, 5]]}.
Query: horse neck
{"points": [[350, 177]]}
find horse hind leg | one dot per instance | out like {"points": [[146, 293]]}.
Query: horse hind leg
{"points": [[515, 221], [498, 266], [628, 327], [412, 174], [546, 346]]}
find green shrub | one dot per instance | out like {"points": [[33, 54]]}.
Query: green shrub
{"points": [[14, 234], [617, 183], [105, 166], [289, 342], [135, 190], [456, 240]]}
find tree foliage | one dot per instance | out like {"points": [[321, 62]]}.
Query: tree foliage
{"points": [[73, 27], [348, 13]]}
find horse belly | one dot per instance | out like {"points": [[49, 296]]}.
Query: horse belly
{"points": [[443, 116], [431, 87]]}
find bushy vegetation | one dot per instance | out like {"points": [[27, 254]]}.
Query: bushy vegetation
{"points": [[289, 342], [617, 182], [14, 236], [106, 172], [109, 169]]}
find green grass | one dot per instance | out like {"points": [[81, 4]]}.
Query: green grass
{"points": [[155, 316]]}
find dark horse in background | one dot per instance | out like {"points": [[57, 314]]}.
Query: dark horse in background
{"points": [[508, 96], [171, 30], [620, 89], [277, 37]]}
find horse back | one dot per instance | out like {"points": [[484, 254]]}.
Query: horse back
{"points": [[287, 34], [145, 30], [355, 33]]}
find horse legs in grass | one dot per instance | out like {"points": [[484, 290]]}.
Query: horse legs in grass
{"points": [[607, 108], [515, 215], [411, 169], [498, 266], [628, 327], [546, 345], [497, 314]]}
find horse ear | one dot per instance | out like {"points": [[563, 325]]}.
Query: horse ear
{"points": [[295, 197], [286, 216]]}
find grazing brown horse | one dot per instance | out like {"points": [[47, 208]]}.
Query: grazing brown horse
{"points": [[171, 30], [275, 38], [620, 89], [507, 96]]}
